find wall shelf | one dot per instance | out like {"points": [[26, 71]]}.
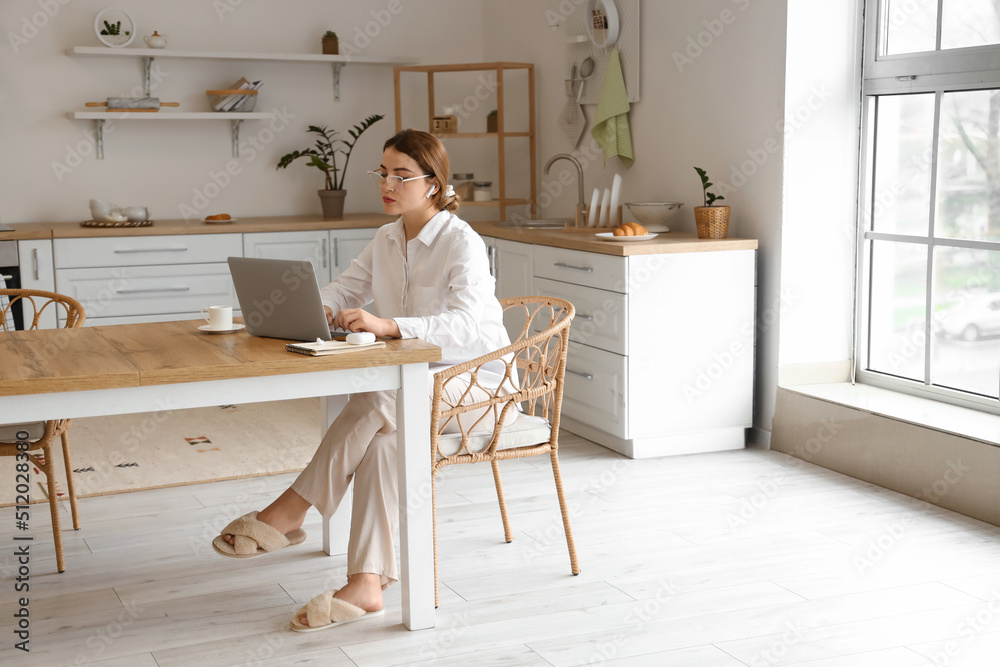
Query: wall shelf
{"points": [[499, 67], [150, 55], [235, 118]]}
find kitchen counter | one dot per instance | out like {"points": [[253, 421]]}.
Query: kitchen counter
{"points": [[277, 223], [665, 243]]}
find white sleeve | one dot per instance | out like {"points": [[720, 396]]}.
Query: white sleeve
{"points": [[353, 287]]}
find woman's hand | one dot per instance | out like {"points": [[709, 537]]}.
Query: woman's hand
{"points": [[356, 319], [329, 314]]}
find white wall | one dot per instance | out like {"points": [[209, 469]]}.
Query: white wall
{"points": [[166, 165], [716, 112], [821, 178]]}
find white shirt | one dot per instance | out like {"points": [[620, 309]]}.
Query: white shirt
{"points": [[440, 290]]}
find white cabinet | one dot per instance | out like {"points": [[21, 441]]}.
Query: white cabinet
{"points": [[310, 246], [35, 261], [661, 353], [345, 246], [510, 265], [146, 278]]}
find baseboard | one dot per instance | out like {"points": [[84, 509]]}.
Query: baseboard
{"points": [[696, 442]]}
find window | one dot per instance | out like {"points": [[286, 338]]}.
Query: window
{"points": [[929, 206]]}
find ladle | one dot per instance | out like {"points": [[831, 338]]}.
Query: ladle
{"points": [[586, 69]]}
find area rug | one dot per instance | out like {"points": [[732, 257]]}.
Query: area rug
{"points": [[172, 448]]}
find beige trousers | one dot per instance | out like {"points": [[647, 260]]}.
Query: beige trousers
{"points": [[361, 445]]}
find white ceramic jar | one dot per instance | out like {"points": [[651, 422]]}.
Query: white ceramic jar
{"points": [[156, 40]]}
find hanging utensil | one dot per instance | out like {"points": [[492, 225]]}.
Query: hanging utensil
{"points": [[586, 69]]}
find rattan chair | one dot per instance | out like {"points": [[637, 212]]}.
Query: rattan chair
{"points": [[538, 356], [41, 436]]}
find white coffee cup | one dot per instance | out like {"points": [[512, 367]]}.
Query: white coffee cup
{"points": [[218, 317]]}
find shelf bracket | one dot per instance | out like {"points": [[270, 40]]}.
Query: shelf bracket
{"points": [[336, 81], [236, 137], [145, 79], [100, 138]]}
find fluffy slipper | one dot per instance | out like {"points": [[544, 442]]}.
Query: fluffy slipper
{"points": [[254, 538], [325, 611]]}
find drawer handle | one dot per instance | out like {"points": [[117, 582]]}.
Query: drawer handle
{"points": [[158, 289], [563, 265], [584, 316], [130, 250], [585, 376]]}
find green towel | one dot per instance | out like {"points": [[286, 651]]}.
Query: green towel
{"points": [[611, 123]]}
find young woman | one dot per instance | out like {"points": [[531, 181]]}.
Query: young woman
{"points": [[428, 277]]}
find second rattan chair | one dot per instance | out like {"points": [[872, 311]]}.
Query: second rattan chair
{"points": [[538, 355], [41, 436]]}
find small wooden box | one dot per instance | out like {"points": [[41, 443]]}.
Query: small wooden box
{"points": [[444, 124]]}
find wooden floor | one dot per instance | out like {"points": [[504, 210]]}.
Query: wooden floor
{"points": [[727, 559]]}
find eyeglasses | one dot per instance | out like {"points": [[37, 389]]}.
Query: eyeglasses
{"points": [[392, 183]]}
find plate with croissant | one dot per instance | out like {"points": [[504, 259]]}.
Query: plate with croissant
{"points": [[630, 231]]}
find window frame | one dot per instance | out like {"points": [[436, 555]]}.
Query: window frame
{"points": [[927, 72]]}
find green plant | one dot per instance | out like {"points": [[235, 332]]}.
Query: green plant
{"points": [[324, 155], [492, 113], [329, 34], [710, 199], [112, 29]]}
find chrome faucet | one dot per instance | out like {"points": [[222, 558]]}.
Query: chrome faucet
{"points": [[579, 175]]}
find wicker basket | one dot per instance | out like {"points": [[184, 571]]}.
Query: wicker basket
{"points": [[246, 102], [712, 221]]}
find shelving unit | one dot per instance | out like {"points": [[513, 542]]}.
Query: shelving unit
{"points": [[499, 67], [236, 119]]}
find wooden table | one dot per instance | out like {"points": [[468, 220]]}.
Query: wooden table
{"points": [[109, 370]]}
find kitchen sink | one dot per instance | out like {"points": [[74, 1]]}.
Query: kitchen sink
{"points": [[551, 223]]}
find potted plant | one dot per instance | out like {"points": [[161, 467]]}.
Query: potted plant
{"points": [[491, 121], [711, 221], [324, 157], [331, 45]]}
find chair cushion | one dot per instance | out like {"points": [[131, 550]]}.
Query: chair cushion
{"points": [[525, 430], [8, 432]]}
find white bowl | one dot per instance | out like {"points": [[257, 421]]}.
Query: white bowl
{"points": [[100, 209], [653, 215]]}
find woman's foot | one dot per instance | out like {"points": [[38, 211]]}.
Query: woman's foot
{"points": [[362, 590], [285, 514]]}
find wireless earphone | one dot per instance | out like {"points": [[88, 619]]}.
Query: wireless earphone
{"points": [[430, 193]]}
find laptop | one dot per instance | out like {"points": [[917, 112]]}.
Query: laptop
{"points": [[280, 299]]}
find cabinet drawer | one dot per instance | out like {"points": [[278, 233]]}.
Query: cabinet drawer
{"points": [[146, 250], [581, 268], [601, 316], [147, 290], [594, 389]]}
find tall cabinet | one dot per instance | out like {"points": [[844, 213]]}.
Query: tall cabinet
{"points": [[501, 135]]}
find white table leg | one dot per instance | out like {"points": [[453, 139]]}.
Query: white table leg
{"points": [[416, 546], [337, 528]]}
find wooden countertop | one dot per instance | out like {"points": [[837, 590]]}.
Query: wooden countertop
{"points": [[665, 242], [156, 353], [277, 223]]}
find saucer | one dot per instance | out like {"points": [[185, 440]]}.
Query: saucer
{"points": [[609, 236], [236, 327]]}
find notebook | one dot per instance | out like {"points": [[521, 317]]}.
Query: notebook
{"points": [[327, 347]]}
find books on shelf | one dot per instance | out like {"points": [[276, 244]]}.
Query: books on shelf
{"points": [[326, 347], [230, 102]]}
